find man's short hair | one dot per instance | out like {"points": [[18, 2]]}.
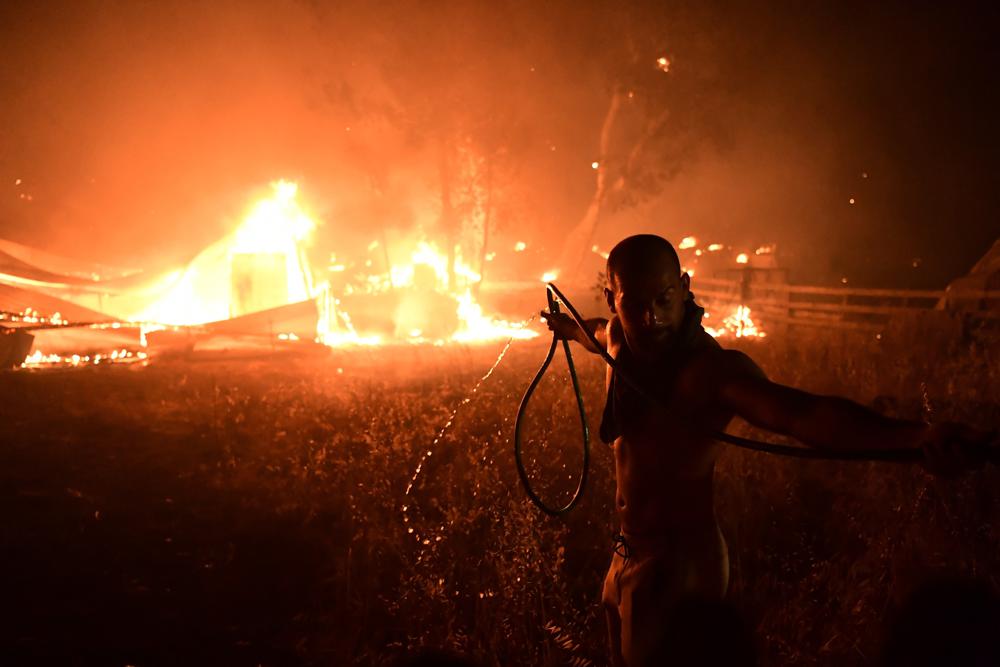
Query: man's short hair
{"points": [[639, 252]]}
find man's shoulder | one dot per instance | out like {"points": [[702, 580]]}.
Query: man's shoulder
{"points": [[712, 365], [615, 333]]}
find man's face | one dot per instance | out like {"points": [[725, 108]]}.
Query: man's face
{"points": [[649, 301]]}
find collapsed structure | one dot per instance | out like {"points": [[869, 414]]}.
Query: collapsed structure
{"points": [[251, 291]]}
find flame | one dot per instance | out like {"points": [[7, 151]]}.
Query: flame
{"points": [[275, 227], [475, 326], [597, 251], [32, 316], [39, 359], [428, 295], [549, 276], [268, 250], [738, 324]]}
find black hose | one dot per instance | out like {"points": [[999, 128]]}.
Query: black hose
{"points": [[535, 498]]}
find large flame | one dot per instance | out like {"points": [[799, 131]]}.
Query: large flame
{"points": [[430, 294], [272, 239], [276, 228]]}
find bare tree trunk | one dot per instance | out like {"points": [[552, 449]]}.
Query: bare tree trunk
{"points": [[385, 256], [447, 212], [487, 218], [579, 240], [575, 245]]}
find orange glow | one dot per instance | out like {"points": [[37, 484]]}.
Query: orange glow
{"points": [[276, 229], [687, 242], [738, 324], [423, 287], [742, 258], [39, 359]]}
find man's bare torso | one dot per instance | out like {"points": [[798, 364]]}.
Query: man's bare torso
{"points": [[664, 464]]}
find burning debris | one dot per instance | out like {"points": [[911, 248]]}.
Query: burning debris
{"points": [[252, 288], [257, 289]]}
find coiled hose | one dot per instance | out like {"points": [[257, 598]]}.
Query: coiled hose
{"points": [[522, 408]]}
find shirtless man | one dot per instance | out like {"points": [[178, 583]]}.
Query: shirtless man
{"points": [[670, 547]]}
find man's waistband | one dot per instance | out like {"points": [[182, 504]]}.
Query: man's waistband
{"points": [[630, 545]]}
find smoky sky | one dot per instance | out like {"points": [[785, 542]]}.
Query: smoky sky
{"points": [[139, 131]]}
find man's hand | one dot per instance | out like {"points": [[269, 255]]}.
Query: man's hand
{"points": [[562, 325], [951, 449]]}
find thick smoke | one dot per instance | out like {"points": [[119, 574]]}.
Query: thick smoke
{"points": [[137, 132]]}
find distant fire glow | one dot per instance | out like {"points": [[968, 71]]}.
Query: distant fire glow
{"points": [[738, 324]]}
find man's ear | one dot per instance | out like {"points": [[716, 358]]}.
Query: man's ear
{"points": [[686, 281], [610, 296]]}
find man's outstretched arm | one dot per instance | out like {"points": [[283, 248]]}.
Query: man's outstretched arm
{"points": [[835, 423], [566, 328]]}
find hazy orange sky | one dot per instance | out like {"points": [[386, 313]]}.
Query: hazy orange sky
{"points": [[139, 131]]}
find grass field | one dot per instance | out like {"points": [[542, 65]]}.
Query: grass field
{"points": [[251, 512]]}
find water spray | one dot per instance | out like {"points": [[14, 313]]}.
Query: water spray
{"points": [[424, 539]]}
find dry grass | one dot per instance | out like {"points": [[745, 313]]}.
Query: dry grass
{"points": [[251, 512]]}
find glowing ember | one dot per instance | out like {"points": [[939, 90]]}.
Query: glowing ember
{"points": [[39, 359], [31, 316], [742, 258], [687, 242], [663, 64], [715, 247], [595, 165], [520, 246], [549, 276]]}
